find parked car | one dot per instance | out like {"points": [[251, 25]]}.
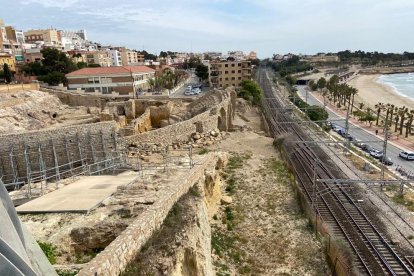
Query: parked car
{"points": [[196, 91], [386, 160], [407, 155], [365, 147], [188, 93], [376, 153], [341, 131], [189, 88]]}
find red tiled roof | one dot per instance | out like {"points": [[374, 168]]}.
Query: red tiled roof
{"points": [[110, 70]]}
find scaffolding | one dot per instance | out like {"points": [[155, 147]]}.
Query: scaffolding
{"points": [[39, 164]]}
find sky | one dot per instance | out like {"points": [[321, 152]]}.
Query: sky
{"points": [[264, 26]]}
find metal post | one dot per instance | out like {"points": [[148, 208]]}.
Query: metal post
{"points": [[56, 163], [348, 143], [93, 152], [68, 156], [384, 150], [80, 154], [28, 173], [42, 167], [15, 173], [104, 150]]}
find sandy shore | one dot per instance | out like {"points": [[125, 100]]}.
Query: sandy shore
{"points": [[371, 92]]}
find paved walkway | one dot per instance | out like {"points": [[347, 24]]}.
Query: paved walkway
{"points": [[80, 196]]}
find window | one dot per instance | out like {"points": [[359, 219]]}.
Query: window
{"points": [[226, 72], [226, 79], [233, 78], [233, 71], [239, 78], [232, 65], [226, 65], [239, 71], [239, 64]]}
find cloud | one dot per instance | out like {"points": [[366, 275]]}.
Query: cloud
{"points": [[267, 25]]}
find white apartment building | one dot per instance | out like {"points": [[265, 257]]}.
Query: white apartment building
{"points": [[115, 57]]}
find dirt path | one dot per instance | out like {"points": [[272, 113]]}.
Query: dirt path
{"points": [[262, 232]]}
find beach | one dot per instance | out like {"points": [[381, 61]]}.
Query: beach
{"points": [[371, 92]]}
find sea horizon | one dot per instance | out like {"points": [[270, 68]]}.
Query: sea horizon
{"points": [[401, 83]]}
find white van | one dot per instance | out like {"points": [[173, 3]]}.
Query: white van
{"points": [[407, 155]]}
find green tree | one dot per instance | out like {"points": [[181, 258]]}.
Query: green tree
{"points": [[53, 78], [201, 71], [92, 65], [321, 83], [81, 64], [7, 73], [317, 113], [251, 91]]}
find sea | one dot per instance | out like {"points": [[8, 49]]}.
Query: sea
{"points": [[402, 84]]}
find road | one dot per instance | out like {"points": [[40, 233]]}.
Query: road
{"points": [[360, 134], [193, 79]]}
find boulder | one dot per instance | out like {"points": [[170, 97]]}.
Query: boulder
{"points": [[226, 200]]}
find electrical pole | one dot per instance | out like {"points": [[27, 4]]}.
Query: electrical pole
{"points": [[384, 151], [348, 144]]}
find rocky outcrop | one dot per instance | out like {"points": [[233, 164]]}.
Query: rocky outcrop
{"points": [[97, 237]]}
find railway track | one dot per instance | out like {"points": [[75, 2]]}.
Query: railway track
{"points": [[374, 254]]}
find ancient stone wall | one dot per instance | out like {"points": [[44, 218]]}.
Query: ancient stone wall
{"points": [[219, 113], [77, 99], [36, 151], [114, 259]]}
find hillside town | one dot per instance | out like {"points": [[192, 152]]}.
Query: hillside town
{"points": [[237, 140]]}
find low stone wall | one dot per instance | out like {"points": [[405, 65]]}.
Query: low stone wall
{"points": [[114, 259], [218, 115], [143, 123]]}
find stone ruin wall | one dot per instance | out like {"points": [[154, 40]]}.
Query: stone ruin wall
{"points": [[66, 142], [124, 249], [217, 111]]}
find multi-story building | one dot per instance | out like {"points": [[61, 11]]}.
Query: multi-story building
{"points": [[99, 57], [115, 57], [129, 57], [237, 55], [6, 58], [125, 80], [73, 40], [252, 55], [14, 35], [50, 37], [5, 44], [33, 55], [226, 73]]}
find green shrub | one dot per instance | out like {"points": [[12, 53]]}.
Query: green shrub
{"points": [[49, 250]]}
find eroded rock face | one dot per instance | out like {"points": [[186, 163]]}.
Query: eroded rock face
{"points": [[97, 237]]}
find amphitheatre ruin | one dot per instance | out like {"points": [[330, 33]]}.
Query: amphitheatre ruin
{"points": [[136, 186]]}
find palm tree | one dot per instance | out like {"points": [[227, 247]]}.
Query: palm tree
{"points": [[361, 105], [403, 114], [409, 123], [379, 107], [354, 91], [393, 109], [397, 118]]}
